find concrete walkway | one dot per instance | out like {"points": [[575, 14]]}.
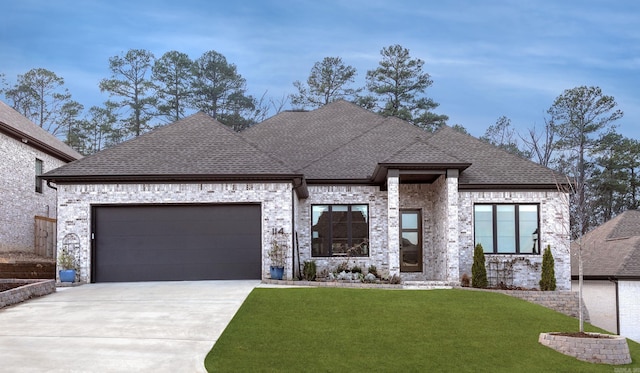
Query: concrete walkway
{"points": [[119, 327]]}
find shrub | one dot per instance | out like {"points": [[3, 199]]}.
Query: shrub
{"points": [[548, 278], [395, 279], [309, 270], [66, 260], [373, 270], [342, 267], [478, 269], [370, 277], [356, 269], [465, 281]]}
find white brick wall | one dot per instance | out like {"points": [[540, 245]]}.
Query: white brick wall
{"points": [[447, 220], [554, 231], [346, 194], [75, 208], [18, 200], [629, 308]]}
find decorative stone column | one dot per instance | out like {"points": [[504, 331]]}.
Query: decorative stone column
{"points": [[393, 221], [453, 236]]}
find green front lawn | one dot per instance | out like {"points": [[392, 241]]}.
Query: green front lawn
{"points": [[346, 330]]}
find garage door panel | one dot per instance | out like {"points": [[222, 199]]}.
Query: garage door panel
{"points": [[186, 242]]}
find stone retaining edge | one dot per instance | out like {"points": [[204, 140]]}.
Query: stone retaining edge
{"points": [[31, 289], [612, 350]]}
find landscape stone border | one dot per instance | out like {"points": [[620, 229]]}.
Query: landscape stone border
{"points": [[607, 349], [31, 288]]}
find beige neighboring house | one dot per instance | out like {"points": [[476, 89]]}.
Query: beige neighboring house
{"points": [[611, 274], [26, 202]]}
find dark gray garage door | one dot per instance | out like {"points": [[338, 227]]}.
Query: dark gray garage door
{"points": [[176, 242]]}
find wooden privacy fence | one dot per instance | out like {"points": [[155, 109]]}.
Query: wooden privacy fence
{"points": [[45, 236]]}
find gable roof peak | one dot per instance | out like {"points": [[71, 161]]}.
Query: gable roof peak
{"points": [[20, 127]]}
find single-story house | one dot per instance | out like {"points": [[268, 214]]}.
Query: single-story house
{"points": [[28, 207], [611, 274], [195, 200]]}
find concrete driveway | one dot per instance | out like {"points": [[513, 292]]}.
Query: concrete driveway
{"points": [[119, 327]]}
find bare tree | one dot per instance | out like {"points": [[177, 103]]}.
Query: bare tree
{"points": [[541, 145]]}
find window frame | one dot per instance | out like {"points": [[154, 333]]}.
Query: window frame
{"points": [[517, 222], [39, 170], [331, 253]]}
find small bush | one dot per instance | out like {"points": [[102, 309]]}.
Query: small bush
{"points": [[478, 269], [356, 269], [465, 281], [370, 277], [548, 278], [395, 279], [309, 270], [373, 270], [342, 267]]}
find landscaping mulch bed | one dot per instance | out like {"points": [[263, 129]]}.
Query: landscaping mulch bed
{"points": [[21, 265], [5, 287], [582, 335]]}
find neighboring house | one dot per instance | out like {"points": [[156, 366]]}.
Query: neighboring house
{"points": [[27, 151], [611, 274], [195, 200]]}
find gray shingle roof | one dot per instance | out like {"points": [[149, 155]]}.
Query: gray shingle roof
{"points": [[340, 142], [612, 249], [17, 125], [491, 165], [195, 147]]}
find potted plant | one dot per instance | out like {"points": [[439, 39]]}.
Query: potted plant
{"points": [[277, 256], [68, 265]]}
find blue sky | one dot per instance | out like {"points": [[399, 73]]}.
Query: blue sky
{"points": [[487, 58]]}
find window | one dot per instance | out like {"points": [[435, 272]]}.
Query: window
{"points": [[340, 230], [38, 173], [507, 229]]}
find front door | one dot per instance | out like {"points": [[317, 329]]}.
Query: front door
{"points": [[410, 241]]}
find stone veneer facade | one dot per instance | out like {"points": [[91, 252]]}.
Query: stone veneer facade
{"points": [[75, 203], [447, 221], [20, 202], [554, 231]]}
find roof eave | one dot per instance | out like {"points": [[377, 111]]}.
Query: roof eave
{"points": [[475, 186], [298, 180], [607, 277], [380, 173], [33, 142]]}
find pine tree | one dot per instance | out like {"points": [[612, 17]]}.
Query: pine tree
{"points": [[548, 280], [478, 269]]}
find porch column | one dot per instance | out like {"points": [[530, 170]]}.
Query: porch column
{"points": [[453, 236], [393, 221]]}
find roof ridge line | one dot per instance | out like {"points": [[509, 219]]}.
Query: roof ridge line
{"points": [[335, 149]]}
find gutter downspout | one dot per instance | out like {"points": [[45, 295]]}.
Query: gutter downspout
{"points": [[294, 234], [51, 186], [615, 281]]}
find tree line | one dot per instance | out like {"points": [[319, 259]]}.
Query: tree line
{"points": [[145, 91], [578, 139]]}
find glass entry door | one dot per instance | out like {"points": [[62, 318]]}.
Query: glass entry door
{"points": [[410, 241]]}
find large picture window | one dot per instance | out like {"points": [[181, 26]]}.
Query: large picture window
{"points": [[507, 228], [340, 230]]}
